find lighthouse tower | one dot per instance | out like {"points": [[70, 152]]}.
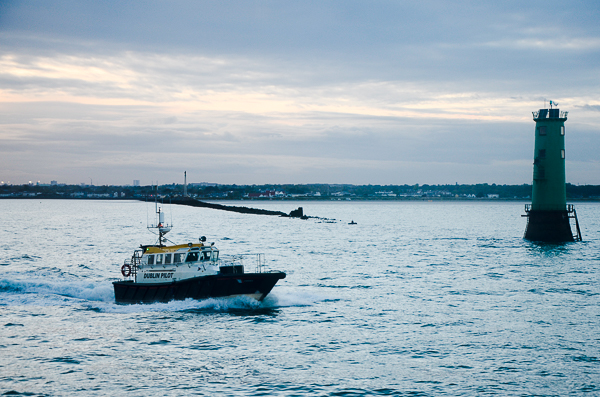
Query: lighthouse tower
{"points": [[548, 216]]}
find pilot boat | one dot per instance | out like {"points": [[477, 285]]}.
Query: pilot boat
{"points": [[161, 273]]}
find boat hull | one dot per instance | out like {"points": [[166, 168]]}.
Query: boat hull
{"points": [[256, 285]]}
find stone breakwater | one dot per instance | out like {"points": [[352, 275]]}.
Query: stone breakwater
{"points": [[297, 213]]}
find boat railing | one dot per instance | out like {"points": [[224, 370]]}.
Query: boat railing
{"points": [[134, 263], [248, 260]]}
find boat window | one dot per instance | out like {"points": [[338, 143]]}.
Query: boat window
{"points": [[159, 259], [151, 259], [177, 258], [206, 256], [167, 259], [192, 257], [215, 256]]}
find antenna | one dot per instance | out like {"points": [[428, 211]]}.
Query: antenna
{"points": [[162, 227]]}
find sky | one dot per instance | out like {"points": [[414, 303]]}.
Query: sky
{"points": [[275, 92]]}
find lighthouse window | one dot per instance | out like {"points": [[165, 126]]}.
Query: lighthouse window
{"points": [[151, 259], [159, 258], [167, 259], [562, 153], [562, 130], [542, 153], [542, 130]]}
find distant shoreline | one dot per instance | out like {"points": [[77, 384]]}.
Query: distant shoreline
{"points": [[307, 192], [307, 199]]}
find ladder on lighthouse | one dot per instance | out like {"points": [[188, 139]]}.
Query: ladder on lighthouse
{"points": [[573, 215]]}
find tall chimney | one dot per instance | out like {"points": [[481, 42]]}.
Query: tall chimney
{"points": [[185, 184]]}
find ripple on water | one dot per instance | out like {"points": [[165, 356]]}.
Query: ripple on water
{"points": [[416, 299]]}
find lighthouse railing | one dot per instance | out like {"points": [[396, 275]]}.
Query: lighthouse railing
{"points": [[570, 208]]}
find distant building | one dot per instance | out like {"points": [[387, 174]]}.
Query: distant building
{"points": [[53, 183], [136, 182], [265, 194], [204, 184]]}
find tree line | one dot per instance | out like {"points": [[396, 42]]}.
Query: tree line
{"points": [[299, 191]]}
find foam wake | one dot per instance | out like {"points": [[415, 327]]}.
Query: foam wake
{"points": [[42, 290], [276, 299], [100, 296], [286, 297], [188, 305]]}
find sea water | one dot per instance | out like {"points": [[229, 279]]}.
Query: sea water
{"points": [[417, 299]]}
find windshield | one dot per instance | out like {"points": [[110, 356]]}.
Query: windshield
{"points": [[192, 257]]}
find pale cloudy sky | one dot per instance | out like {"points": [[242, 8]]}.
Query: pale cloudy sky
{"points": [[253, 92]]}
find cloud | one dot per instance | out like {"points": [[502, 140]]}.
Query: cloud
{"points": [[592, 108], [552, 45], [237, 88]]}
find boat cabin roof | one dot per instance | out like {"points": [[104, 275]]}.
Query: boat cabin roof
{"points": [[155, 249]]}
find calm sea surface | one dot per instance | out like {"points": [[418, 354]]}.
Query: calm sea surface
{"points": [[417, 299]]}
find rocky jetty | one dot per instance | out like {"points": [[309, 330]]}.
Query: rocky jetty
{"points": [[297, 213]]}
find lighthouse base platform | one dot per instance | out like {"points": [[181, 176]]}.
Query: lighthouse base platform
{"points": [[551, 226]]}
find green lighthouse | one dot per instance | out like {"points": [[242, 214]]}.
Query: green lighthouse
{"points": [[548, 216]]}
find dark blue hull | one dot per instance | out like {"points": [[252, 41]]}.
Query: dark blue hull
{"points": [[222, 285]]}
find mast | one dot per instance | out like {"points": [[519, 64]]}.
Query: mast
{"points": [[162, 227]]}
